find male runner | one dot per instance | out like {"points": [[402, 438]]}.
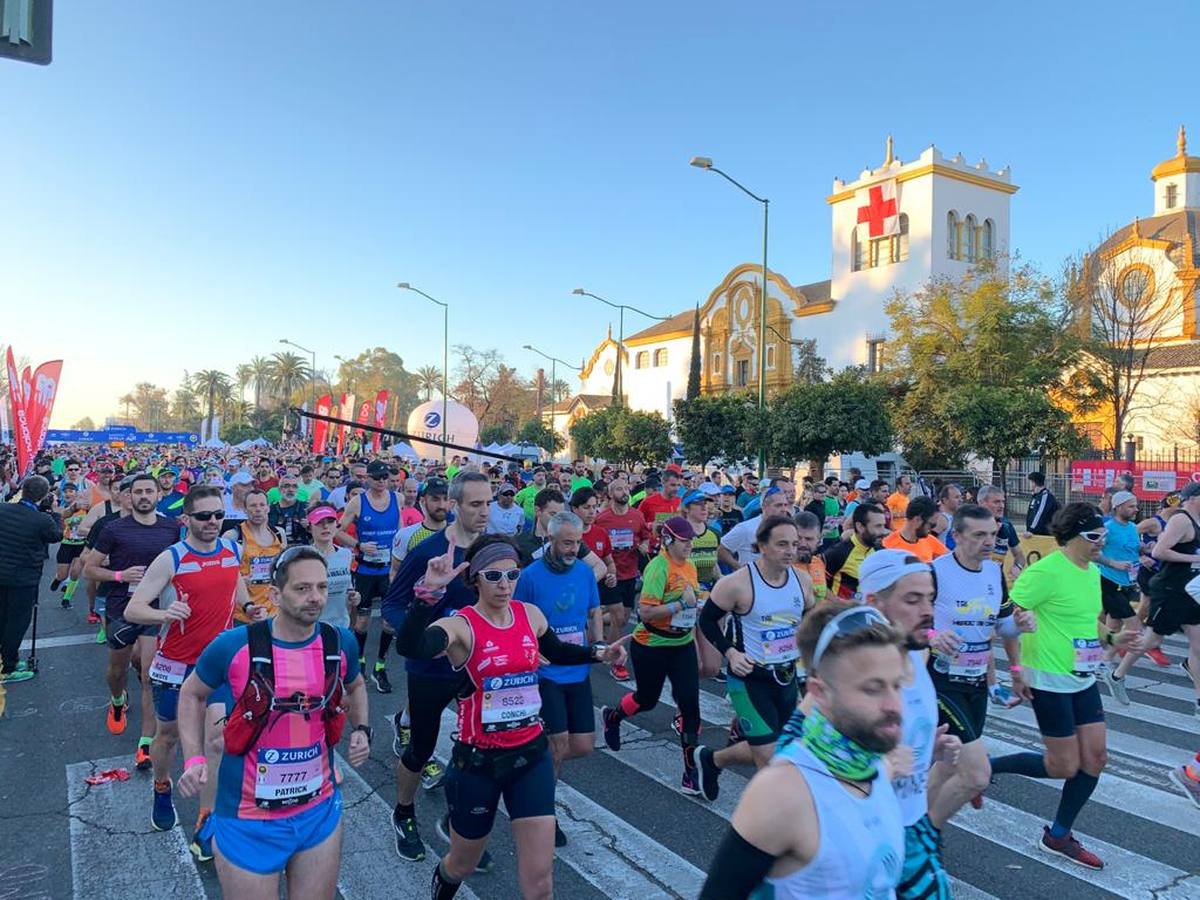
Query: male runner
{"points": [[949, 500], [1119, 558], [123, 551], [260, 545], [630, 536], [288, 512], [897, 502], [843, 559], [915, 535], [585, 503], [736, 547], [202, 574], [504, 516], [434, 503]]}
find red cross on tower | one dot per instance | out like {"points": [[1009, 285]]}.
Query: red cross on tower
{"points": [[878, 210]]}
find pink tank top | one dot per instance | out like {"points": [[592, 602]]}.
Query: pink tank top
{"points": [[503, 710]]}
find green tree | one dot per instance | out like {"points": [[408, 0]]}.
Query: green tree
{"points": [[623, 436], [693, 384], [847, 414], [719, 426], [215, 386], [495, 434], [84, 424], [290, 372], [541, 435], [379, 369]]}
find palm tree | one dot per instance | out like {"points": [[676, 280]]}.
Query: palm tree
{"points": [[262, 370], [242, 375], [429, 379], [127, 401], [216, 385], [291, 371]]}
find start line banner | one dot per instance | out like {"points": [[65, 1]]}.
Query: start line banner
{"points": [[119, 436]]}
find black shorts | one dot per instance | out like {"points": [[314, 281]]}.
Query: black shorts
{"points": [[1058, 715], [964, 709], [1143, 579], [120, 634], [472, 797], [625, 592], [369, 587], [1118, 600], [1170, 612], [567, 707], [68, 553]]}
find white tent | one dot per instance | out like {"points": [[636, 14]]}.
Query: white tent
{"points": [[214, 443], [403, 449]]}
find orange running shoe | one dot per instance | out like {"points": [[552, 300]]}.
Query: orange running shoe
{"points": [[116, 717], [142, 758]]}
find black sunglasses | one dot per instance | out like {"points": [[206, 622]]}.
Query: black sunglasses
{"points": [[207, 515], [495, 576]]}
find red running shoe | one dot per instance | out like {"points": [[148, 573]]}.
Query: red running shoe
{"points": [[1160, 658], [93, 619], [977, 801], [620, 673], [1070, 848]]}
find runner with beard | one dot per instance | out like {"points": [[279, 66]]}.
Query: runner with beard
{"points": [[843, 559], [808, 561], [629, 537]]}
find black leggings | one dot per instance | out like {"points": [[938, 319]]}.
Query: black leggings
{"points": [[427, 698], [652, 666]]}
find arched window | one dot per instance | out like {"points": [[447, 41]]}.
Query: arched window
{"points": [[642, 360], [972, 239], [952, 236], [900, 252], [989, 239], [660, 357], [717, 370], [770, 356], [858, 250]]}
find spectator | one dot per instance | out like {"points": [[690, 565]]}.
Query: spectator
{"points": [[1042, 506], [27, 528]]}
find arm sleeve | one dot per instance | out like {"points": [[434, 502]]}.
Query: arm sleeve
{"points": [[416, 639], [737, 869], [710, 626], [562, 654]]}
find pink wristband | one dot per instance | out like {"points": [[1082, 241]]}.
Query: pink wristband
{"points": [[194, 761], [117, 575]]}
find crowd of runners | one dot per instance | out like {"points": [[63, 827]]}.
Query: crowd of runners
{"points": [[854, 624]]}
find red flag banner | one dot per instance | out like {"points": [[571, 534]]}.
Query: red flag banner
{"points": [[40, 402], [320, 428], [22, 434], [345, 411], [381, 402]]}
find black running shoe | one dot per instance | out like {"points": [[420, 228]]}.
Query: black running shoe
{"points": [[612, 728], [709, 772], [409, 845], [382, 684]]}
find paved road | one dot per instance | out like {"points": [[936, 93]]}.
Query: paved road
{"points": [[632, 834]]}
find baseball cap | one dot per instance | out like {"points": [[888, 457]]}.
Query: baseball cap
{"points": [[1123, 497], [378, 469], [692, 497], [1190, 491], [506, 488], [673, 469], [708, 489], [728, 489], [883, 568], [322, 512], [434, 485], [680, 528], [240, 478], [862, 485]]}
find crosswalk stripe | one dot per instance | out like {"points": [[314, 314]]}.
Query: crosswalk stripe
{"points": [[960, 890], [607, 852], [114, 851], [370, 867]]}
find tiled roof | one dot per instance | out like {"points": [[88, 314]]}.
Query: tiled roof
{"points": [[1175, 227], [1174, 356], [678, 322]]}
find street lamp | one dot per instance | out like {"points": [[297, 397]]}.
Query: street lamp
{"points": [[405, 286], [703, 162], [620, 333], [554, 361], [312, 376]]}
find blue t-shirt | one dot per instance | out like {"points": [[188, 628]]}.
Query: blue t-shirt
{"points": [[566, 599], [1121, 545]]}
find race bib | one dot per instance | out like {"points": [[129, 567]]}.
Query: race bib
{"points": [[168, 672], [381, 555], [510, 701], [622, 538], [1088, 655], [779, 645], [260, 569], [570, 634], [286, 777], [685, 618], [972, 661]]}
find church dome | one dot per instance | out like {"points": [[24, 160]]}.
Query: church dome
{"points": [[1179, 163]]}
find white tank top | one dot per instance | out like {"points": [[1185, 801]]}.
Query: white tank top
{"points": [[861, 849], [919, 729], [769, 628], [967, 603]]}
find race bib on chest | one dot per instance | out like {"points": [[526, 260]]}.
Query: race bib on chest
{"points": [[1088, 655], [685, 618], [168, 672], [510, 701], [972, 661], [622, 538], [286, 777], [779, 645], [260, 569]]}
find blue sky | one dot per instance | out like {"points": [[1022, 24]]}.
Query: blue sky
{"points": [[215, 176]]}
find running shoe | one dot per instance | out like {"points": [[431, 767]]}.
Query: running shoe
{"points": [[560, 839], [55, 584], [432, 775], [691, 781], [722, 676], [163, 816], [65, 603], [1070, 848], [100, 638], [201, 845], [1002, 696], [1183, 664], [116, 717], [16, 675], [485, 863], [977, 801], [1188, 779], [382, 684], [677, 724], [1116, 686], [93, 619], [1160, 658], [142, 760], [709, 774], [612, 728], [620, 673], [401, 736], [409, 845]]}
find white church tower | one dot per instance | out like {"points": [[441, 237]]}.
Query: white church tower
{"points": [[894, 228]]}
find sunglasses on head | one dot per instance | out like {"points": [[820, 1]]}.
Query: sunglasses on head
{"points": [[495, 576], [844, 623], [208, 515]]}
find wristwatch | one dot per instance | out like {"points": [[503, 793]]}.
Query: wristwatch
{"points": [[598, 649], [365, 729]]}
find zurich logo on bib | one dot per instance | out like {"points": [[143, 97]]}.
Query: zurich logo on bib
{"points": [[271, 756]]}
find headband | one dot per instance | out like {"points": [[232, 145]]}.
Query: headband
{"points": [[490, 554], [321, 512], [1092, 523]]}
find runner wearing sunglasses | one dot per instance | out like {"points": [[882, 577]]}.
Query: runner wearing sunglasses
{"points": [[1058, 672], [818, 822], [500, 749], [200, 576]]}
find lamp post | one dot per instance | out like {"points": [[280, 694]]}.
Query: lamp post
{"points": [[312, 375], [405, 286], [620, 334], [554, 361], [703, 162]]}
